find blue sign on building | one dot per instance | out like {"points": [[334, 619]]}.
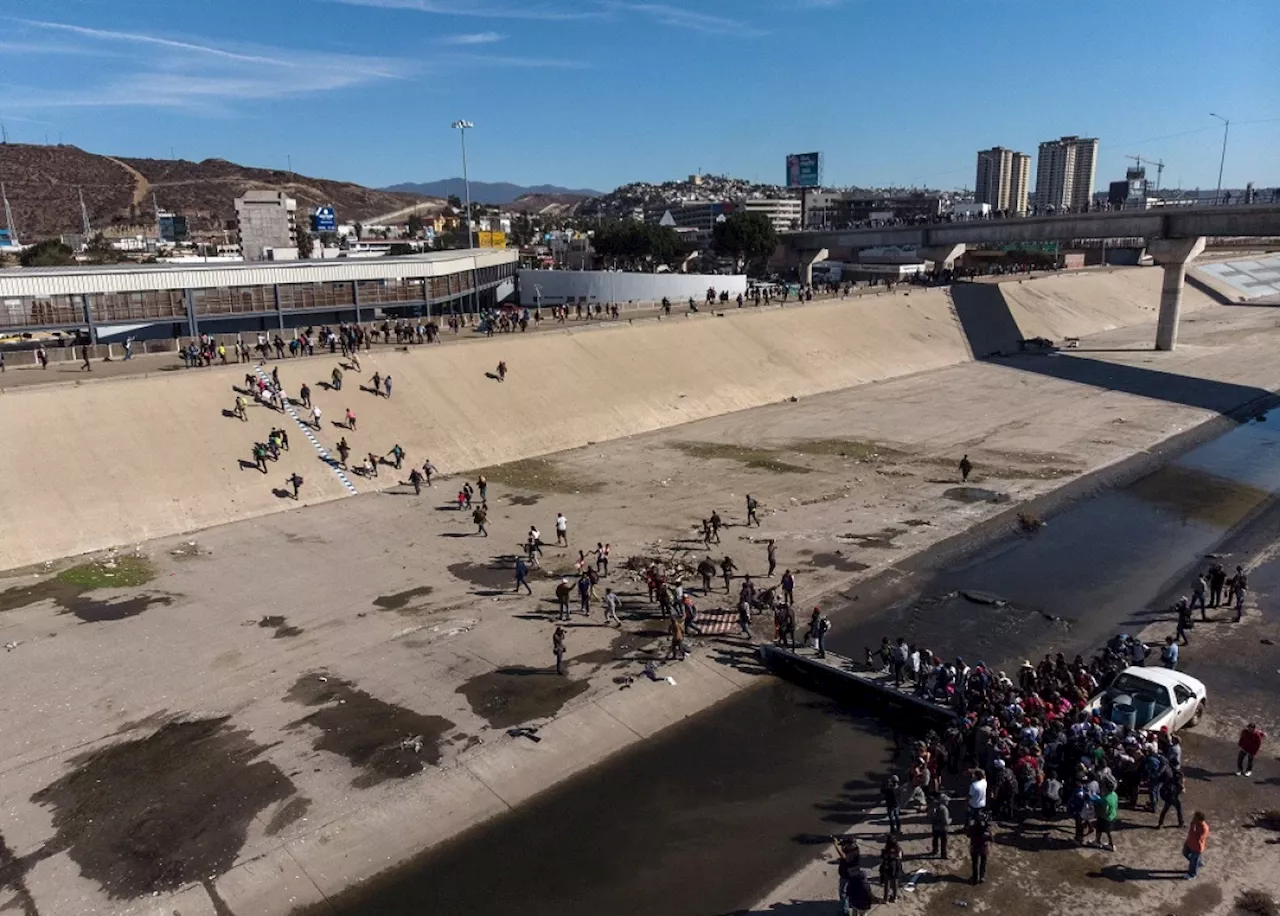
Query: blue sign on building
{"points": [[324, 220]]}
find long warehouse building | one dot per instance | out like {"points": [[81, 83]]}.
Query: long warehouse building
{"points": [[169, 301]]}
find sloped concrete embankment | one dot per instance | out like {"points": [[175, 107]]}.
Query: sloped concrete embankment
{"points": [[116, 462]]}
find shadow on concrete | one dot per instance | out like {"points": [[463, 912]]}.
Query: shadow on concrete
{"points": [[1206, 394], [988, 325], [1122, 874], [793, 908], [1193, 281]]}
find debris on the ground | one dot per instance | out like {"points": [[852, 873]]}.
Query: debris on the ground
{"points": [[915, 878], [412, 744], [529, 732], [10, 646], [1030, 523]]}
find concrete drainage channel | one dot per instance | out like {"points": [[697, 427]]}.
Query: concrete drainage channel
{"points": [[712, 813]]}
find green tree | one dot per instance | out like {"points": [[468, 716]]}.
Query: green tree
{"points": [[745, 237], [303, 235], [399, 248], [636, 245], [415, 225], [359, 231], [49, 253]]}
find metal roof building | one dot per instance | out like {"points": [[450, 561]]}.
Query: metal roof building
{"points": [[175, 300]]}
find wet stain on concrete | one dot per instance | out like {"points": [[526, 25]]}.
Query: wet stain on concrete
{"points": [[524, 500], [617, 650], [514, 696], [917, 523], [292, 811], [499, 573], [382, 740], [838, 561], [13, 877], [881, 540], [283, 630], [71, 598], [1203, 898], [975, 495], [401, 600], [153, 814]]}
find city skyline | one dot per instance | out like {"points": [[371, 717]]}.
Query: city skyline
{"points": [[601, 93]]}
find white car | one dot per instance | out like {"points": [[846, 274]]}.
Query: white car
{"points": [[1161, 698]]}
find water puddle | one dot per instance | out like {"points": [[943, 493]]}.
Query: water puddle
{"points": [[513, 696], [837, 561], [975, 495], [497, 574], [381, 739], [881, 540], [69, 591], [1195, 495], [159, 812]]}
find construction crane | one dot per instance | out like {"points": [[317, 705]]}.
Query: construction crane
{"points": [[1158, 163]]}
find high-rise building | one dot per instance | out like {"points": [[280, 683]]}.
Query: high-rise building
{"points": [[783, 212], [1003, 175], [1065, 172], [265, 220]]}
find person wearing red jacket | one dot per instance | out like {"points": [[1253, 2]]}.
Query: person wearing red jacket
{"points": [[1250, 745]]}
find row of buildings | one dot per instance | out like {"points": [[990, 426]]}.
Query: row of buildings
{"points": [[1065, 172]]}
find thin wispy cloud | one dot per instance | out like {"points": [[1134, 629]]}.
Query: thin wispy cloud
{"points": [[141, 38], [495, 60], [475, 38], [686, 20], [537, 11]]}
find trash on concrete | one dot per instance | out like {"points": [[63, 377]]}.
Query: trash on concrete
{"points": [[915, 878], [412, 744], [670, 680], [527, 732], [10, 646]]}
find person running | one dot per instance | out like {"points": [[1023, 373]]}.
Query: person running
{"points": [[241, 410], [398, 454], [707, 570], [611, 608], [377, 384], [1241, 585], [351, 420], [260, 457], [415, 478], [557, 647], [428, 469], [502, 371], [344, 451], [295, 481], [716, 524], [966, 468], [676, 629], [1194, 845], [522, 575], [315, 417], [727, 569], [480, 515], [752, 506], [371, 462], [562, 530]]}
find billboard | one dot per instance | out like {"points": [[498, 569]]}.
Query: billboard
{"points": [[491, 239], [324, 220], [804, 170]]}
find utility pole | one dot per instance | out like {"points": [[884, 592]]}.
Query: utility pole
{"points": [[1226, 129], [462, 127]]}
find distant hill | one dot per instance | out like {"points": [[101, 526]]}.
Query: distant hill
{"points": [[44, 184], [488, 192]]}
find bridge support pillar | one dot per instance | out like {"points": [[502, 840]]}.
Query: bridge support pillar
{"points": [[942, 256], [1172, 255], [807, 260]]}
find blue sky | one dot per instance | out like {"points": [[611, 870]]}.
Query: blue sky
{"points": [[593, 93]]}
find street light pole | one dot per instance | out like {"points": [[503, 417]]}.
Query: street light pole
{"points": [[462, 127], [1226, 129]]}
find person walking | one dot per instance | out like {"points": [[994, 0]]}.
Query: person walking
{"points": [[386, 385], [295, 481], [1171, 794], [415, 478], [351, 420], [398, 454], [480, 515], [1241, 585], [1169, 654], [1194, 845], [241, 408], [522, 575], [1108, 809], [557, 647], [716, 524], [1198, 589], [966, 468], [727, 569], [707, 570], [344, 451], [1217, 579], [563, 591], [84, 354], [752, 506], [819, 626], [977, 797], [315, 417], [676, 628], [611, 608], [305, 395], [940, 823], [1185, 623], [562, 530], [980, 846], [771, 553], [1250, 745], [335, 379], [892, 805], [482, 487], [128, 349]]}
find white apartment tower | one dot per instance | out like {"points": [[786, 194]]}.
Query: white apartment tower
{"points": [[1003, 177], [1065, 173]]}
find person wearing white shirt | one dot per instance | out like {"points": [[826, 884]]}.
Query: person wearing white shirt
{"points": [[562, 529], [977, 796]]}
